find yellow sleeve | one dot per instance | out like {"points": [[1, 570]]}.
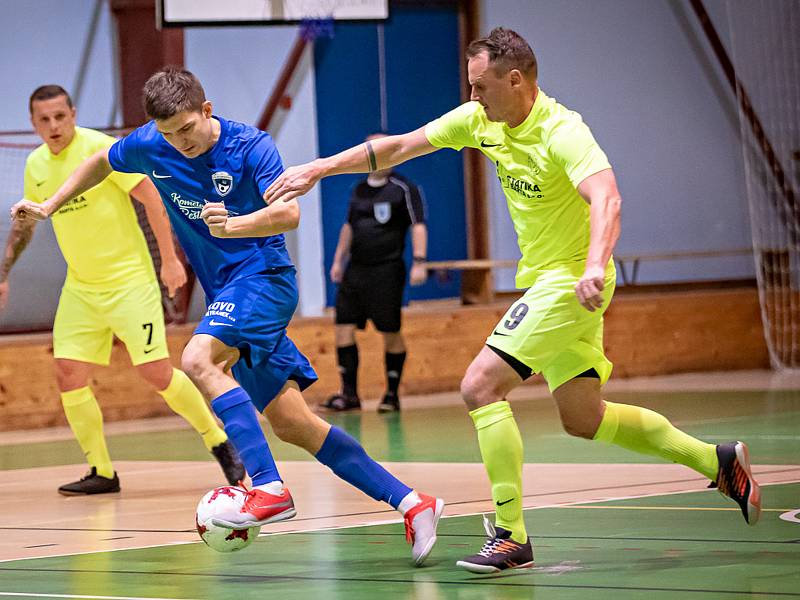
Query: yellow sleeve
{"points": [[124, 181], [29, 187], [573, 146], [456, 128]]}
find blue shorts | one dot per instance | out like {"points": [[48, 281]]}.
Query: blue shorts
{"points": [[251, 314]]}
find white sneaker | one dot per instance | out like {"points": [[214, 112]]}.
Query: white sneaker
{"points": [[421, 521]]}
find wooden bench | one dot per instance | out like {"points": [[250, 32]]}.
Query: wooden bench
{"points": [[477, 281]]}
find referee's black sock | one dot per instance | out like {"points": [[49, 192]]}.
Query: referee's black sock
{"points": [[348, 368], [394, 370]]}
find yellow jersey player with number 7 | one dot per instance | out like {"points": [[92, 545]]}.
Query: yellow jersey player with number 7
{"points": [[110, 289], [563, 199]]}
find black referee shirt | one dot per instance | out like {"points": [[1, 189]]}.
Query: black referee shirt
{"points": [[380, 218]]}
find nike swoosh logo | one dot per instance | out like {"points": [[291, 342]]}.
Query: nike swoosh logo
{"points": [[157, 176], [149, 351], [213, 322], [495, 332], [485, 145], [504, 502]]}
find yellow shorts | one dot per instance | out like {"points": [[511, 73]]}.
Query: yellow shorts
{"points": [[550, 332], [86, 322]]}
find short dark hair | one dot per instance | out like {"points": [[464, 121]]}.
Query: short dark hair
{"points": [[170, 91], [46, 92], [507, 50]]}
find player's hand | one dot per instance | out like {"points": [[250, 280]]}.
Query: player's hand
{"points": [[3, 294], [589, 288], [293, 183], [173, 274], [337, 272], [25, 209], [215, 216], [419, 274]]}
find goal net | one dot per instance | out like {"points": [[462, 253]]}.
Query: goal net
{"points": [[765, 50]]}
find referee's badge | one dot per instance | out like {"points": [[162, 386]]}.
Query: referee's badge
{"points": [[223, 182], [383, 212]]}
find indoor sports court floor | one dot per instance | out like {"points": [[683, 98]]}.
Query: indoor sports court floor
{"points": [[605, 523]]}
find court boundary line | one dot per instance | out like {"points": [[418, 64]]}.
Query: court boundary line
{"points": [[392, 521]]}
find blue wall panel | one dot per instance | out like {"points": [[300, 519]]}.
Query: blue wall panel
{"points": [[422, 72]]}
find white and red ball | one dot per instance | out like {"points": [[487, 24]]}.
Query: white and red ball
{"points": [[218, 503]]}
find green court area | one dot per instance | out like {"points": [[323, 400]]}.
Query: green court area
{"points": [[769, 421], [680, 546]]}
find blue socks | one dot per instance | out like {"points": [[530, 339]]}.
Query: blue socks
{"points": [[344, 456], [238, 416]]}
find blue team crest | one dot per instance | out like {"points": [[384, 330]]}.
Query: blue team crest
{"points": [[383, 212], [223, 182]]}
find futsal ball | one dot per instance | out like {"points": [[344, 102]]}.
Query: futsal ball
{"points": [[219, 502]]}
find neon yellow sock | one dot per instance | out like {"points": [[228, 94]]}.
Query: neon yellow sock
{"points": [[86, 421], [647, 432], [185, 399], [501, 449]]}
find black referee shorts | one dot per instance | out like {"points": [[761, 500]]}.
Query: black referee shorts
{"points": [[373, 292]]}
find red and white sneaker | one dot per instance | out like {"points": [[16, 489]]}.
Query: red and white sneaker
{"points": [[259, 508], [421, 521]]}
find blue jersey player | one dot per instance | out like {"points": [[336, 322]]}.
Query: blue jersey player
{"points": [[211, 174]]}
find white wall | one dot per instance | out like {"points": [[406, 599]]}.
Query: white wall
{"points": [[238, 67], [638, 73]]}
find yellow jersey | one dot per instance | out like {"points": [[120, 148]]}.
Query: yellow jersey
{"points": [[539, 164], [98, 232]]}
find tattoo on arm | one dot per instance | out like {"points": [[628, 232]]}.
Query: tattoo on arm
{"points": [[17, 242], [373, 163]]}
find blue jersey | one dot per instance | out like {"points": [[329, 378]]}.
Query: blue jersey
{"points": [[236, 171]]}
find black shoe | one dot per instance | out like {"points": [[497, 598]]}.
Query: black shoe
{"points": [[499, 553], [735, 479], [91, 483], [228, 459], [341, 403], [389, 403]]}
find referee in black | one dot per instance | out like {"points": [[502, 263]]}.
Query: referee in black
{"points": [[369, 268]]}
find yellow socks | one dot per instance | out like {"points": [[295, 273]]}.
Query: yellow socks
{"points": [[501, 449], [185, 399], [648, 432], [86, 421]]}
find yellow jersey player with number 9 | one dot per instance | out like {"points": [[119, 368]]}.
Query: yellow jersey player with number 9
{"points": [[563, 200], [110, 288]]}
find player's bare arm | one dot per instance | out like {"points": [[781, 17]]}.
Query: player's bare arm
{"points": [[370, 156], [173, 273], [91, 172], [600, 191], [419, 251], [342, 253], [270, 220], [18, 239]]}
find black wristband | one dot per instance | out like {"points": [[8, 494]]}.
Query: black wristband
{"points": [[419, 259]]}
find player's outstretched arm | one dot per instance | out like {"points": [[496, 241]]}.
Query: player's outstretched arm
{"points": [[173, 273], [270, 220], [18, 239], [600, 191], [370, 156], [90, 172]]}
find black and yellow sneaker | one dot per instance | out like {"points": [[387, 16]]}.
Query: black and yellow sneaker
{"points": [[389, 403], [228, 459], [341, 403], [91, 483], [499, 552], [735, 479]]}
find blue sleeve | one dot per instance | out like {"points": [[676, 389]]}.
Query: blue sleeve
{"points": [[124, 155], [264, 162]]}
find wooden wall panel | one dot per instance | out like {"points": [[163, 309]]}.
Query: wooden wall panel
{"points": [[646, 334]]}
